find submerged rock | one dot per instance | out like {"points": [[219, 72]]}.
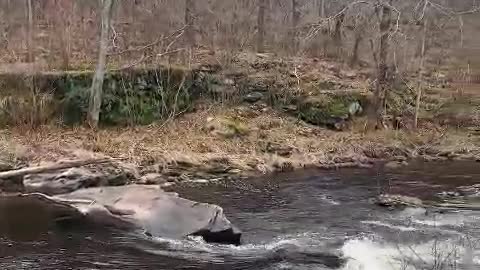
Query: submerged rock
{"points": [[146, 208], [396, 201]]}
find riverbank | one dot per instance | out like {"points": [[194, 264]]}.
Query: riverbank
{"points": [[263, 115], [187, 148]]}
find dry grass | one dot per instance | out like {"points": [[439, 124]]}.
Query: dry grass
{"points": [[186, 140]]}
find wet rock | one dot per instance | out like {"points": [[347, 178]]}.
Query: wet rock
{"points": [[449, 194], [253, 97], [397, 201], [144, 208]]}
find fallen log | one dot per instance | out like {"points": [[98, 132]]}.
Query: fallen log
{"points": [[52, 167]]}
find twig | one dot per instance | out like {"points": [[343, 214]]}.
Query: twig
{"points": [[144, 58], [175, 35]]}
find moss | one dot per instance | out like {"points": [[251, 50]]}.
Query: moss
{"points": [[327, 109], [138, 96], [133, 97]]}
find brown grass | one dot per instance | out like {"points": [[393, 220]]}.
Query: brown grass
{"points": [[185, 140]]}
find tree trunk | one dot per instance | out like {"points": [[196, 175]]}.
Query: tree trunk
{"points": [[337, 34], [62, 25], [376, 114], [190, 22], [30, 54], [420, 75], [321, 9], [96, 90], [356, 46], [295, 22], [261, 26]]}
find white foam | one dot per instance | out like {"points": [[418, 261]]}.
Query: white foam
{"points": [[365, 254], [211, 252], [394, 227], [440, 221]]}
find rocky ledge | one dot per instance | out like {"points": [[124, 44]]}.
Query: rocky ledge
{"points": [[146, 209]]}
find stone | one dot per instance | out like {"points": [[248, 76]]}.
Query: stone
{"points": [[65, 182], [395, 201], [152, 179], [331, 111], [133, 208], [355, 108], [70, 180], [253, 97]]}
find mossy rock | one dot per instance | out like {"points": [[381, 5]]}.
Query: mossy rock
{"points": [[332, 111]]}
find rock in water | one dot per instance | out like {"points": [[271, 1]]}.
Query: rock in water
{"points": [[147, 208], [397, 201]]}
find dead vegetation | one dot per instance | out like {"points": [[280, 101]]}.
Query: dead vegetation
{"points": [[187, 148], [321, 64]]}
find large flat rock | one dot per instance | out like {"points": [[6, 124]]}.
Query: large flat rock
{"points": [[144, 208]]}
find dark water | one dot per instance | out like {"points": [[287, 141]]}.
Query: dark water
{"points": [[303, 220]]}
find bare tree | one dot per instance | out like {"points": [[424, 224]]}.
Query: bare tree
{"points": [[376, 114], [420, 75], [96, 90], [321, 9], [62, 25], [190, 22], [30, 25], [337, 33], [295, 22], [261, 26], [359, 32]]}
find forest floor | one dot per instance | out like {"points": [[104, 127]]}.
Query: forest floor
{"points": [[241, 139]]}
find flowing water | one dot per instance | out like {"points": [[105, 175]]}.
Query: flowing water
{"points": [[302, 220]]}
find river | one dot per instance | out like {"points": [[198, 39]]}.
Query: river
{"points": [[302, 220]]}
